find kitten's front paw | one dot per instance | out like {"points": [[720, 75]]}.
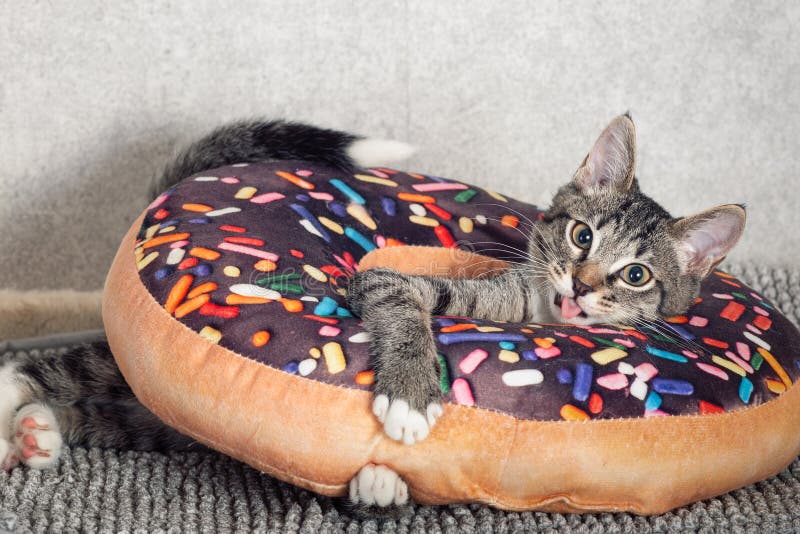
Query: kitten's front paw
{"points": [[36, 436], [402, 422]]}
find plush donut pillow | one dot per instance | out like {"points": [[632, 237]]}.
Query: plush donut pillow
{"points": [[224, 309]]}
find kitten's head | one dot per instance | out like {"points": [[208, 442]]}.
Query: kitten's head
{"points": [[611, 254]]}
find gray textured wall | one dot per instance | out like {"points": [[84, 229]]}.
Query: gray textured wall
{"points": [[509, 95]]}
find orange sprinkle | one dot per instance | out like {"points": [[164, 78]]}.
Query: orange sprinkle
{"points": [[234, 299], [244, 241], [191, 305], [417, 176], [296, 253], [709, 408], [205, 253], [595, 403], [412, 197], [326, 320], [202, 208], [582, 341], [722, 274], [779, 370], [260, 338], [292, 306], [296, 180], [160, 240], [762, 323], [730, 283], [526, 330], [178, 292], [544, 342], [715, 343], [775, 386], [677, 319], [208, 287], [458, 327], [265, 266], [510, 220], [392, 242], [365, 378], [573, 413], [231, 228]]}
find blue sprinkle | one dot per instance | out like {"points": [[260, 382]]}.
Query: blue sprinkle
{"points": [[327, 306], [337, 208], [291, 367], [389, 206], [670, 386], [507, 345], [745, 389], [343, 312], [583, 382], [304, 213], [564, 376], [685, 334], [203, 269], [164, 272], [652, 402], [200, 220], [763, 304], [529, 355], [302, 197], [169, 223], [437, 179], [445, 322], [463, 337], [797, 363], [347, 190], [666, 354], [359, 238]]}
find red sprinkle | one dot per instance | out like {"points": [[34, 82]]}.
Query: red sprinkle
{"points": [[332, 270], [326, 320], [637, 335], [732, 311], [595, 403], [161, 214], [234, 229], [188, 263], [715, 343], [442, 214], [582, 341], [762, 322], [245, 241], [709, 408], [351, 261], [296, 253], [730, 283], [225, 312], [445, 237]]}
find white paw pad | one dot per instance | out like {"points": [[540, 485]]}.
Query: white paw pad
{"points": [[403, 423], [8, 456], [378, 485], [37, 437]]}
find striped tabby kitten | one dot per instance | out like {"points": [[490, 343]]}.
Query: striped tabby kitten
{"points": [[603, 252]]}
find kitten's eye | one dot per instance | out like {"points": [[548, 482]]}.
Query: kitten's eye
{"points": [[582, 235], [635, 274]]}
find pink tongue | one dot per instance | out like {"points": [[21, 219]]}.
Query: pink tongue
{"points": [[569, 308]]}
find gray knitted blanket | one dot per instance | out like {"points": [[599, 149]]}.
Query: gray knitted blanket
{"points": [[122, 491]]}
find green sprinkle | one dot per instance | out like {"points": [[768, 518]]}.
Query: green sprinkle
{"points": [[739, 295], [662, 338], [756, 361], [286, 287], [466, 195], [610, 343], [277, 278], [444, 376]]}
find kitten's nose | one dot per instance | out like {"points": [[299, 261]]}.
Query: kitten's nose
{"points": [[580, 287]]}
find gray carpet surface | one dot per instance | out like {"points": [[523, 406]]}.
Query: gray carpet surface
{"points": [[96, 490]]}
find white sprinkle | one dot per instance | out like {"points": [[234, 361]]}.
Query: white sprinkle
{"points": [[309, 298], [757, 340], [251, 290], [639, 389], [206, 179], [240, 165], [418, 209], [307, 366], [481, 219], [625, 368], [310, 227], [523, 377], [175, 256], [223, 211], [361, 337]]}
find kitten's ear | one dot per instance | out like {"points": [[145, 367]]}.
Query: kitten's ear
{"points": [[612, 160], [706, 238]]}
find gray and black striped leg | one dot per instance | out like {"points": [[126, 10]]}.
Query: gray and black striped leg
{"points": [[397, 315]]}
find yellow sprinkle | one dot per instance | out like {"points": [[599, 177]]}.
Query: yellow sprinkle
{"points": [[245, 193], [424, 221], [232, 271], [167, 229], [608, 355], [341, 291], [314, 352], [727, 364], [770, 359], [508, 356], [489, 329], [315, 273], [334, 357], [211, 334], [151, 231], [466, 224], [376, 180], [359, 213], [265, 266], [498, 196], [138, 253], [775, 386], [330, 225], [144, 262]]}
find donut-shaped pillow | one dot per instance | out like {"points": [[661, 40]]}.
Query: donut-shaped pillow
{"points": [[225, 310]]}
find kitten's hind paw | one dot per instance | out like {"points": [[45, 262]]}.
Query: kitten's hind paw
{"points": [[8, 456], [378, 485], [403, 423], [37, 436]]}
